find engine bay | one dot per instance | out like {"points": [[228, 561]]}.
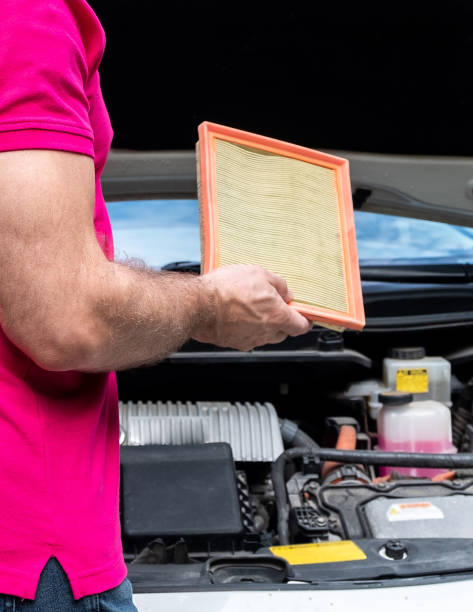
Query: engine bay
{"points": [[255, 491]]}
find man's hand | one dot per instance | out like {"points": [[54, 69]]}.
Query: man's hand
{"points": [[250, 309]]}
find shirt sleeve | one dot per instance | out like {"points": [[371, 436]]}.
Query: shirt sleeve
{"points": [[43, 76]]}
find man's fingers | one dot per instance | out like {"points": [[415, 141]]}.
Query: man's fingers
{"points": [[296, 323], [279, 283]]}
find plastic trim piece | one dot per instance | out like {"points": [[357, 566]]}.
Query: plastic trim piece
{"points": [[260, 356]]}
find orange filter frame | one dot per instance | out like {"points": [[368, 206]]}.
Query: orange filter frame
{"points": [[209, 133]]}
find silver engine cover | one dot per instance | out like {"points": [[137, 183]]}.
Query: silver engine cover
{"points": [[252, 430], [421, 517]]}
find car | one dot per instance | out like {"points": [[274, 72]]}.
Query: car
{"points": [[181, 534], [254, 479]]}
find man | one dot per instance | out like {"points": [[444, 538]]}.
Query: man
{"points": [[70, 316]]}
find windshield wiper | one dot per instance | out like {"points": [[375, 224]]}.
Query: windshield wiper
{"points": [[442, 274], [182, 266]]}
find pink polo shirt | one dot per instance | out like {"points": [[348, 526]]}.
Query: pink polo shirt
{"points": [[59, 453]]}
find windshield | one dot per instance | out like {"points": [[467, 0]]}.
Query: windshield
{"points": [[156, 231], [163, 231]]}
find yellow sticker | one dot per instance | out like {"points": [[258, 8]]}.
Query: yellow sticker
{"points": [[412, 381], [322, 552]]}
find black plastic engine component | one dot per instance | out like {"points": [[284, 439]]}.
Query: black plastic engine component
{"points": [[395, 398], [308, 523], [179, 491], [259, 569], [247, 514], [403, 509], [395, 550], [362, 509], [337, 422], [461, 460], [427, 561], [407, 352], [329, 341]]}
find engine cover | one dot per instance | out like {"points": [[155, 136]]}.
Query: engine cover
{"points": [[421, 517], [179, 491], [399, 509], [252, 430]]}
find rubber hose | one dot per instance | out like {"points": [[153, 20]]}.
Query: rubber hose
{"points": [[292, 435], [303, 439], [395, 459], [280, 493]]}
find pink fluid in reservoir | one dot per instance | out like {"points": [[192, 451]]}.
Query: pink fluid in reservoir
{"points": [[443, 446]]}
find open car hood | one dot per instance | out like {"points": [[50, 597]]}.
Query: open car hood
{"points": [[424, 187]]}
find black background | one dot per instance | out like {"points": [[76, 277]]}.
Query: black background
{"points": [[382, 77]]}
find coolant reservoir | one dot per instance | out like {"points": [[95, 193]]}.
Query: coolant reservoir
{"points": [[410, 370], [416, 427]]}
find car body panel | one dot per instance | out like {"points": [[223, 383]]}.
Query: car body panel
{"points": [[433, 597]]}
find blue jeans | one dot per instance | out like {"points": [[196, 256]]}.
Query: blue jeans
{"points": [[54, 594]]}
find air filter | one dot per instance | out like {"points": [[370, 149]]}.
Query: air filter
{"points": [[284, 207]]}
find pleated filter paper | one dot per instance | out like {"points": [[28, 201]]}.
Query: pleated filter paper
{"points": [[286, 208]]}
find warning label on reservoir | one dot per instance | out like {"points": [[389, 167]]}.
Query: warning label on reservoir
{"points": [[412, 381]]}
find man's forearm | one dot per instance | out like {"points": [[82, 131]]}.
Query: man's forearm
{"points": [[139, 316], [69, 308], [142, 315]]}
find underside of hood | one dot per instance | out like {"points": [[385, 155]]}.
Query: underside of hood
{"points": [[384, 85], [424, 187]]}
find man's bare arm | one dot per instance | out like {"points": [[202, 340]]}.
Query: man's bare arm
{"points": [[68, 307]]}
